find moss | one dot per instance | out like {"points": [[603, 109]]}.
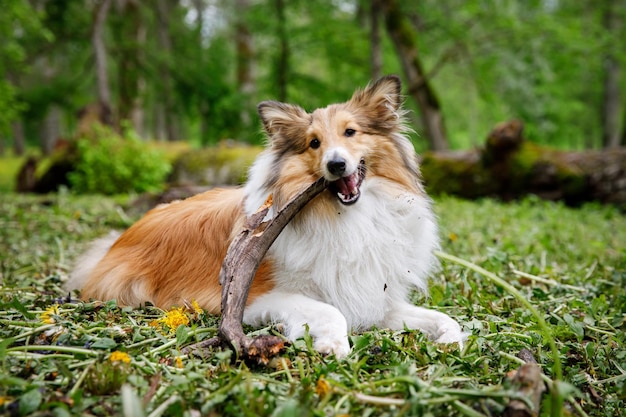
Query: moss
{"points": [[172, 150], [455, 174], [527, 156], [220, 165], [9, 167], [530, 169]]}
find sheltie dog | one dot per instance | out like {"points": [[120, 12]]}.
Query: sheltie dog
{"points": [[347, 261]]}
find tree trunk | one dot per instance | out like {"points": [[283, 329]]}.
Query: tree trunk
{"points": [[131, 36], [282, 65], [611, 100], [203, 105], [624, 128], [19, 138], [100, 12], [403, 38], [50, 129], [163, 12], [245, 55], [158, 122], [376, 56]]}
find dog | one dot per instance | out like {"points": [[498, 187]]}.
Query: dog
{"points": [[348, 260]]}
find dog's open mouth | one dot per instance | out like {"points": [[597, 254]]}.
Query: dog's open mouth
{"points": [[348, 188]]}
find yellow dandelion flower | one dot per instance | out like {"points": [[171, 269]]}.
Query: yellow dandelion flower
{"points": [[322, 388], [193, 308], [118, 356], [46, 316], [179, 362], [196, 307], [174, 318]]}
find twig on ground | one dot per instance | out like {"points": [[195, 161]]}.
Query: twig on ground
{"points": [[527, 379]]}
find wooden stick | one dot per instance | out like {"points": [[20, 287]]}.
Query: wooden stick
{"points": [[242, 260]]}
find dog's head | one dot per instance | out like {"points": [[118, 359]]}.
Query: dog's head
{"points": [[344, 142]]}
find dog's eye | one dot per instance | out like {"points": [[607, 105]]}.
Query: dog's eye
{"points": [[349, 133], [315, 143]]}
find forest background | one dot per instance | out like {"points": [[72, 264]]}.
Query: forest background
{"points": [[189, 73], [193, 70]]}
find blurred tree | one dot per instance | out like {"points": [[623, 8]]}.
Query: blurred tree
{"points": [[376, 55], [419, 86], [613, 21], [282, 60], [128, 48], [100, 11], [165, 115], [537, 61], [245, 60], [20, 24], [193, 69]]}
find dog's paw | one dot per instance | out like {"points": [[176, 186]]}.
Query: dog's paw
{"points": [[332, 346], [451, 332]]}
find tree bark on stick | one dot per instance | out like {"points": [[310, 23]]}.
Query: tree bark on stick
{"points": [[239, 267]]}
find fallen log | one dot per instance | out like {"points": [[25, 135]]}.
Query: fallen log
{"points": [[239, 267], [509, 167]]}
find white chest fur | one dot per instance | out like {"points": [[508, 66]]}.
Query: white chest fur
{"points": [[363, 260]]}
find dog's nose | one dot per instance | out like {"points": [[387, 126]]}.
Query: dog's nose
{"points": [[337, 166]]}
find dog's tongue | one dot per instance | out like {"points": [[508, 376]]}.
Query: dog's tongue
{"points": [[347, 185]]}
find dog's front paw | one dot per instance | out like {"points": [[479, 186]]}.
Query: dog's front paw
{"points": [[451, 332], [332, 346]]}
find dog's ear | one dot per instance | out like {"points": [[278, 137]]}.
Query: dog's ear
{"points": [[383, 97], [284, 117]]}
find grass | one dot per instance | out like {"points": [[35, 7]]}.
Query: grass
{"points": [[530, 275]]}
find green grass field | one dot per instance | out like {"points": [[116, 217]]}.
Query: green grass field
{"points": [[562, 297]]}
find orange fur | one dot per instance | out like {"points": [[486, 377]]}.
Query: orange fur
{"points": [[174, 253]]}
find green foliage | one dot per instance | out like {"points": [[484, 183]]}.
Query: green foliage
{"points": [[9, 106], [541, 62], [9, 167], [19, 25], [536, 61], [105, 378], [111, 164], [569, 264]]}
